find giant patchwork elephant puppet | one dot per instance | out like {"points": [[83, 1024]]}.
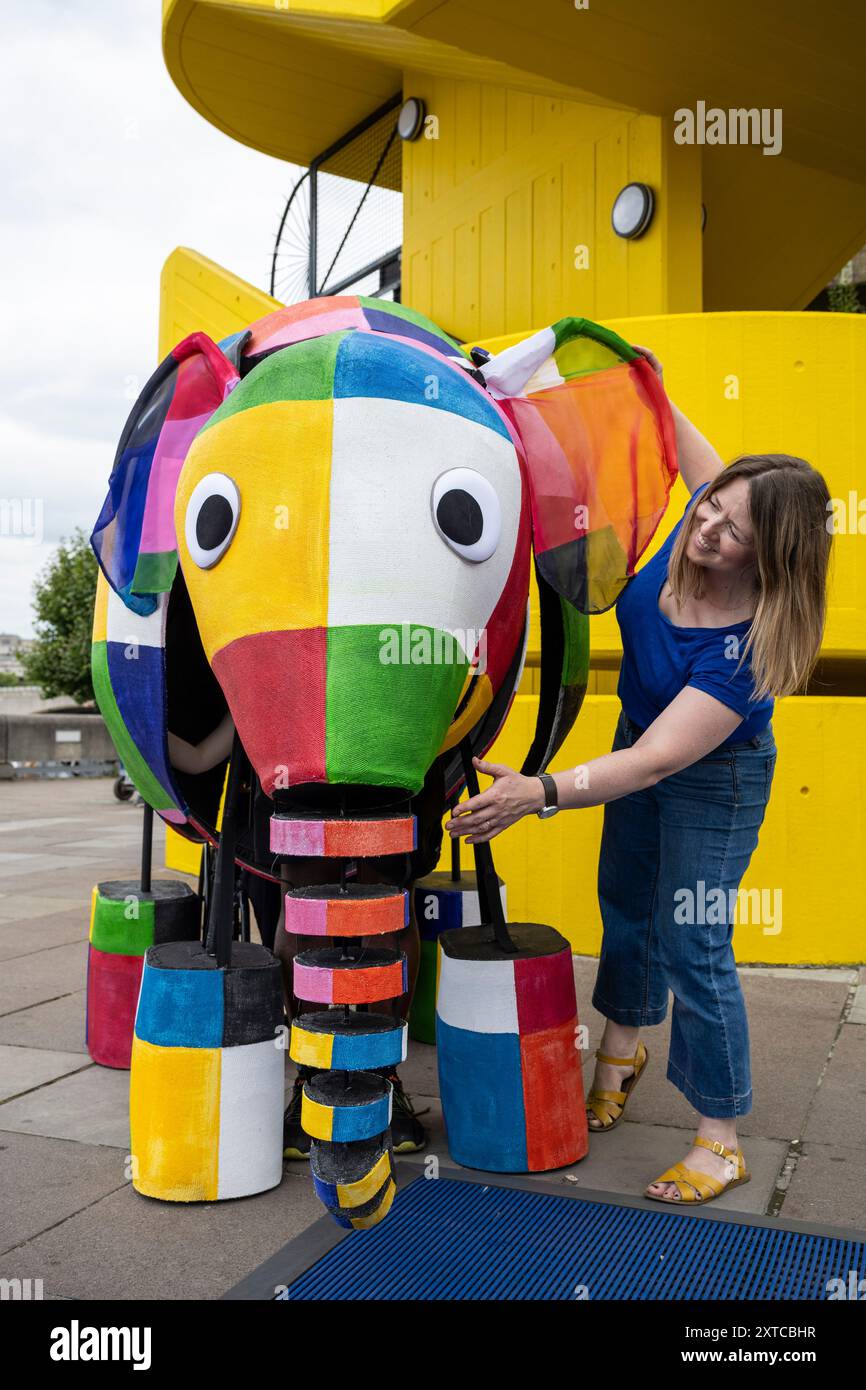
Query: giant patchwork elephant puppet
{"points": [[324, 526]]}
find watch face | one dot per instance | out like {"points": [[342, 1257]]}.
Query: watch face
{"points": [[547, 812]]}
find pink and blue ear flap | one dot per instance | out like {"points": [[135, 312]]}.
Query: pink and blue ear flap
{"points": [[599, 450], [134, 536]]}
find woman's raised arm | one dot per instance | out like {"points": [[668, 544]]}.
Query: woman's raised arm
{"points": [[698, 461]]}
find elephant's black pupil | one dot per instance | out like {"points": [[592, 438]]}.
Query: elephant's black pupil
{"points": [[213, 523], [459, 516]]}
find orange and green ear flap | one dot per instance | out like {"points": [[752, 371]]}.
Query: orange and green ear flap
{"points": [[134, 536], [600, 452]]}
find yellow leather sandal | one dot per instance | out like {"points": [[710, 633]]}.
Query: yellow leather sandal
{"points": [[700, 1187], [601, 1103]]}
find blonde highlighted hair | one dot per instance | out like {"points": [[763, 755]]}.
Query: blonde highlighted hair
{"points": [[789, 510]]}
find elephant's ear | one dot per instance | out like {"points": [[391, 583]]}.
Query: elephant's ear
{"points": [[600, 452], [134, 537]]}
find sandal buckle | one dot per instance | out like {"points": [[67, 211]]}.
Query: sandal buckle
{"points": [[719, 1148]]}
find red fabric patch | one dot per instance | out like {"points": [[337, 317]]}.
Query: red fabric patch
{"points": [[274, 683], [545, 992], [556, 1129], [113, 982]]}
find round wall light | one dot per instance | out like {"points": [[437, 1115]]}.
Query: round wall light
{"points": [[411, 118], [632, 211]]}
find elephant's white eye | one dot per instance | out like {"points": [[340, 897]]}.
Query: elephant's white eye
{"points": [[212, 516], [466, 513]]}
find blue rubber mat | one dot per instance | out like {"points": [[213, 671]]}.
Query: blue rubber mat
{"points": [[449, 1239]]}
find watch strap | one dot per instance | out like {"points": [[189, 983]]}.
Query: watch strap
{"points": [[551, 796]]}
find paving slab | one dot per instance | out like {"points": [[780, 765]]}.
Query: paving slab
{"points": [[45, 975], [838, 1110], [90, 1106], [858, 1006], [24, 936], [23, 1069], [45, 1181], [59, 1024], [828, 1185], [23, 906], [126, 1246]]}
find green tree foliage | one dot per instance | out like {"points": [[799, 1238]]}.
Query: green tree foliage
{"points": [[63, 598], [843, 299]]}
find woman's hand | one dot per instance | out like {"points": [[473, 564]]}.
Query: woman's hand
{"points": [[652, 359], [492, 811]]}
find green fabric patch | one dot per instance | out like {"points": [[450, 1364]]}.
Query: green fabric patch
{"points": [[564, 329], [390, 696], [116, 931], [575, 656], [154, 573], [152, 791], [298, 372]]}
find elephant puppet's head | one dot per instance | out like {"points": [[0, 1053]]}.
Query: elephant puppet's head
{"points": [[353, 506]]}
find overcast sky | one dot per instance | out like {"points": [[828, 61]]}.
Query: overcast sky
{"points": [[105, 169]]}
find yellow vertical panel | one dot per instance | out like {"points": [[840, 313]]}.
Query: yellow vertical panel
{"points": [[546, 249], [518, 117], [518, 264], [682, 258], [493, 144], [441, 283], [444, 104], [578, 229], [467, 144], [611, 252], [646, 269], [419, 272], [466, 276], [180, 854], [418, 154], [491, 262]]}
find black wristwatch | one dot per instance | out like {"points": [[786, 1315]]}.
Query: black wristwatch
{"points": [[551, 798]]}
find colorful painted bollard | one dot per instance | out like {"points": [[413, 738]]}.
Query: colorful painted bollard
{"points": [[206, 1089], [442, 903], [510, 1075], [124, 923]]}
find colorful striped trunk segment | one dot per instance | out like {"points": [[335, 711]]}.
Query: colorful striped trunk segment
{"points": [[346, 1102]]}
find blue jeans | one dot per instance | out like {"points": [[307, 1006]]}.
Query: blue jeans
{"points": [[663, 852]]}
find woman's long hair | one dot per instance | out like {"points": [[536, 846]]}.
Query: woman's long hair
{"points": [[789, 508]]}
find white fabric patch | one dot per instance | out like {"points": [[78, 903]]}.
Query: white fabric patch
{"points": [[135, 629], [251, 1119], [478, 995], [387, 563]]}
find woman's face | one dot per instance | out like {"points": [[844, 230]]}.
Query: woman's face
{"points": [[721, 537]]}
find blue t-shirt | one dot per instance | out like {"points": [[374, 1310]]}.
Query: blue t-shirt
{"points": [[659, 659]]}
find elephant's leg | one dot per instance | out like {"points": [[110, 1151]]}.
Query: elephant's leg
{"points": [[408, 941]]}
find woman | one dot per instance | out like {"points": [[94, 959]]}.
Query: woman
{"points": [[727, 615]]}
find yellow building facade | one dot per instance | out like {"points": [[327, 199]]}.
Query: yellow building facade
{"points": [[535, 118]]}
